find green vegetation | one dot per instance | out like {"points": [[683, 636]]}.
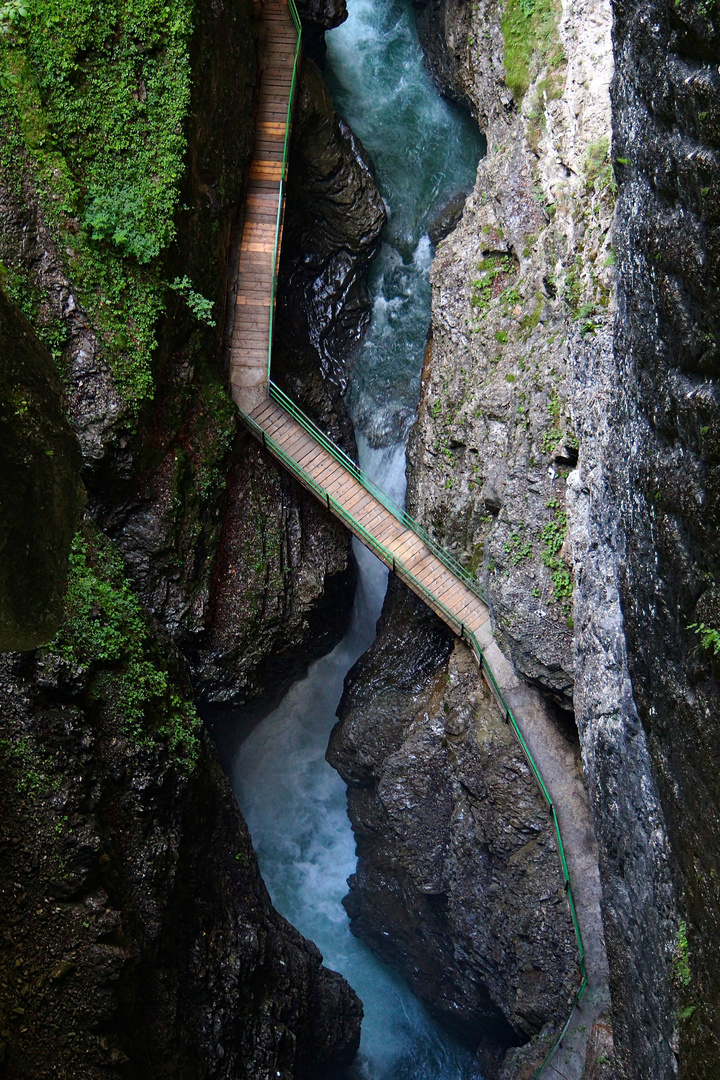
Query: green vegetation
{"points": [[709, 637], [106, 636], [494, 271], [552, 536], [599, 176], [529, 30], [93, 100], [16, 757], [19, 288], [517, 547], [681, 957]]}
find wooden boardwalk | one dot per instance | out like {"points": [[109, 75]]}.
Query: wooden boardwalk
{"points": [[396, 544], [316, 467], [401, 548], [250, 343]]}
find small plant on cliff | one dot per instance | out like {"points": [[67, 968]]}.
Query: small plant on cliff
{"points": [[552, 536], [200, 306], [681, 957], [517, 547], [709, 637], [494, 272]]}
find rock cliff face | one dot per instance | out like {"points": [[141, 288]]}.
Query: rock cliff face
{"points": [[642, 404], [647, 519], [522, 287], [40, 491], [147, 942], [522, 281], [138, 938], [458, 884]]}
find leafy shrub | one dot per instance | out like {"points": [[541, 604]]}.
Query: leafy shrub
{"points": [[709, 637], [105, 634], [94, 96]]}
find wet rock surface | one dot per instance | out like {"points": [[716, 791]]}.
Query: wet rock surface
{"points": [[648, 494], [41, 496], [458, 884], [137, 935], [333, 217], [282, 589]]}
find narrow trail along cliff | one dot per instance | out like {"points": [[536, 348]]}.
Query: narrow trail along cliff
{"points": [[390, 533]]}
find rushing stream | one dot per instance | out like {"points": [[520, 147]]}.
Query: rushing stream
{"points": [[294, 803]]}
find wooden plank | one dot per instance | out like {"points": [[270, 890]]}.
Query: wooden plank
{"points": [[326, 470], [294, 443], [355, 501], [374, 517], [343, 490]]}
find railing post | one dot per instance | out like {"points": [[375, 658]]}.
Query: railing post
{"points": [[394, 571], [327, 500]]}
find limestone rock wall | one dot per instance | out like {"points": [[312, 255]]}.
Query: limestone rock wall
{"points": [[647, 495], [524, 280]]}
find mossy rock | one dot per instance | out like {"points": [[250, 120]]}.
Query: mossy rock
{"points": [[41, 495]]}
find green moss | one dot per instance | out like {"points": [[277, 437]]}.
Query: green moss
{"points": [[495, 270], [529, 30], [94, 97], [17, 759], [20, 289], [681, 957], [105, 634], [529, 322], [552, 536]]}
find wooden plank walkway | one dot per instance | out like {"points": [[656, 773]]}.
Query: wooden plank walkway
{"points": [[400, 548], [396, 544], [250, 343]]}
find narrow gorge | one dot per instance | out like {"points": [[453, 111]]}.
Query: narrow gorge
{"points": [[270, 810]]}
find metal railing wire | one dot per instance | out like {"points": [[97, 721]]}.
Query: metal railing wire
{"points": [[396, 564]]}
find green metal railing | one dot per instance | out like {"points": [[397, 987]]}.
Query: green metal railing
{"points": [[397, 511], [383, 553]]}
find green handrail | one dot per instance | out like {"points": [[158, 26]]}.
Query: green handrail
{"points": [[398, 566]]}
